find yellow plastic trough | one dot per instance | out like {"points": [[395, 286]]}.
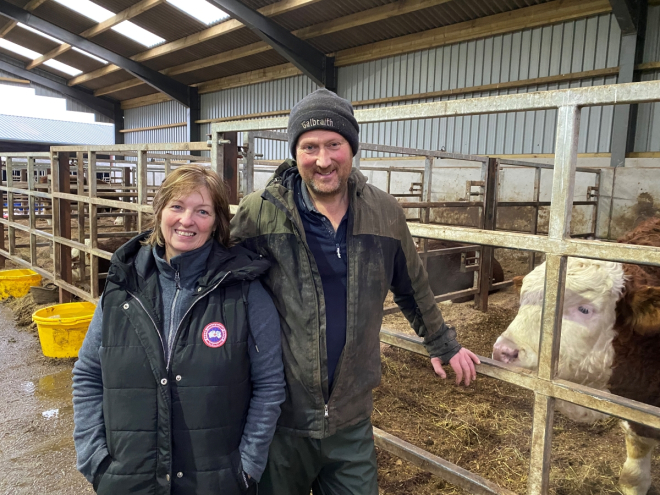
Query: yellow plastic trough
{"points": [[62, 328], [16, 283]]}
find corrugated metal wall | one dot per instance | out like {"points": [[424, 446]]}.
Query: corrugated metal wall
{"points": [[269, 96], [569, 47], [168, 112], [574, 46], [647, 137]]}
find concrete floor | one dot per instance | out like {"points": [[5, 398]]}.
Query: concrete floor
{"points": [[36, 418]]}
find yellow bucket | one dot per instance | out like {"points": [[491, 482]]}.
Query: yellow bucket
{"points": [[17, 283], [62, 328]]}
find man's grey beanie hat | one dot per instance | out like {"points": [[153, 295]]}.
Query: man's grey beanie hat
{"points": [[323, 109]]}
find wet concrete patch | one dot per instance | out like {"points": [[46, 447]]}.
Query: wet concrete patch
{"points": [[36, 417]]}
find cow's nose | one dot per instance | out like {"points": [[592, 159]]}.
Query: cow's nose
{"points": [[504, 350]]}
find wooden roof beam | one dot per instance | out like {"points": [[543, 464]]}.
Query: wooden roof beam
{"points": [[124, 15], [225, 27], [528, 17]]}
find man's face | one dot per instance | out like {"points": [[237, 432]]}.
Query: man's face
{"points": [[324, 160]]}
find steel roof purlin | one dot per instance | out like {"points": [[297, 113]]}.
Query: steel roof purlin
{"points": [[312, 62], [161, 82]]}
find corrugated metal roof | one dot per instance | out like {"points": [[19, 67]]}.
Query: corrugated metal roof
{"points": [[236, 39], [325, 10], [13, 128], [172, 24]]}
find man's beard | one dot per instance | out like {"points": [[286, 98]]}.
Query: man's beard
{"points": [[340, 187]]}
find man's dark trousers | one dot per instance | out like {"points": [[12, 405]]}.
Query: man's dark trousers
{"points": [[341, 464]]}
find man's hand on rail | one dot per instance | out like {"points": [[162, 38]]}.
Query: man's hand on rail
{"points": [[463, 365]]}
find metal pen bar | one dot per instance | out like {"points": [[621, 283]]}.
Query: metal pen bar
{"points": [[436, 465]]}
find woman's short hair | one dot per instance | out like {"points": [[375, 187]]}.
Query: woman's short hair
{"points": [[183, 181]]}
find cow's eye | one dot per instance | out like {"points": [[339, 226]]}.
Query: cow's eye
{"points": [[583, 310]]}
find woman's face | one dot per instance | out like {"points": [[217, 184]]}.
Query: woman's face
{"points": [[187, 222]]}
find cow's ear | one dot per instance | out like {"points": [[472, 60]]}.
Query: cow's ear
{"points": [[517, 283], [639, 311]]}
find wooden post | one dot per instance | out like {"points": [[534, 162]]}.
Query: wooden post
{"points": [[10, 207], [31, 179], [126, 181], [230, 166], [3, 196], [62, 222], [93, 227], [489, 222], [81, 209]]}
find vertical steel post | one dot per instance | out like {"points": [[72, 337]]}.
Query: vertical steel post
{"points": [[356, 161], [248, 168], [563, 186], [595, 218], [32, 209], [142, 187], [425, 213], [535, 219], [217, 153], [93, 226], [489, 223]]}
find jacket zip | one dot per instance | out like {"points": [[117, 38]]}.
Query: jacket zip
{"points": [[152, 320], [170, 341], [326, 414], [169, 358]]}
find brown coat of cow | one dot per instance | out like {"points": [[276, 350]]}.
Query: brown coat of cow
{"points": [[636, 366]]}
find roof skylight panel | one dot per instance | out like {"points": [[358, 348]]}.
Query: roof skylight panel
{"points": [[126, 28], [61, 42], [98, 59], [201, 10], [31, 54], [36, 31]]}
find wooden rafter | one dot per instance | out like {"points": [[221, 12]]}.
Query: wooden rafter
{"points": [[30, 7], [124, 15], [544, 14], [529, 17], [225, 27]]}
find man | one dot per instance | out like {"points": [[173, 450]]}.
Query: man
{"points": [[337, 245]]}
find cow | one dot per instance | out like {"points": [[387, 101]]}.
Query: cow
{"points": [[610, 340], [110, 244]]}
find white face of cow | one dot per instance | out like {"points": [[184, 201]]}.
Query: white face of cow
{"points": [[592, 290]]}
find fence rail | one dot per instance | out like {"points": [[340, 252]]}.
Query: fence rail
{"points": [[557, 247]]}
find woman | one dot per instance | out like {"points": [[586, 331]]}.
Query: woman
{"points": [[179, 381]]}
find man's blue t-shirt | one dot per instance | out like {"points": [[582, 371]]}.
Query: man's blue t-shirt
{"points": [[329, 250]]}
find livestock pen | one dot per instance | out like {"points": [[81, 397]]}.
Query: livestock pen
{"points": [[557, 246], [145, 159]]}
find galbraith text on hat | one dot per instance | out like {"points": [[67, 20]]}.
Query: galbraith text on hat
{"points": [[313, 122]]}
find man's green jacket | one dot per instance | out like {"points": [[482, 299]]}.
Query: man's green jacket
{"points": [[381, 256]]}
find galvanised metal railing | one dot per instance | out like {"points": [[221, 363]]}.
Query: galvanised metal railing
{"points": [[557, 246]]}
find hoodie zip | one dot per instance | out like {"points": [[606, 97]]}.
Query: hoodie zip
{"points": [[169, 357], [170, 341]]}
